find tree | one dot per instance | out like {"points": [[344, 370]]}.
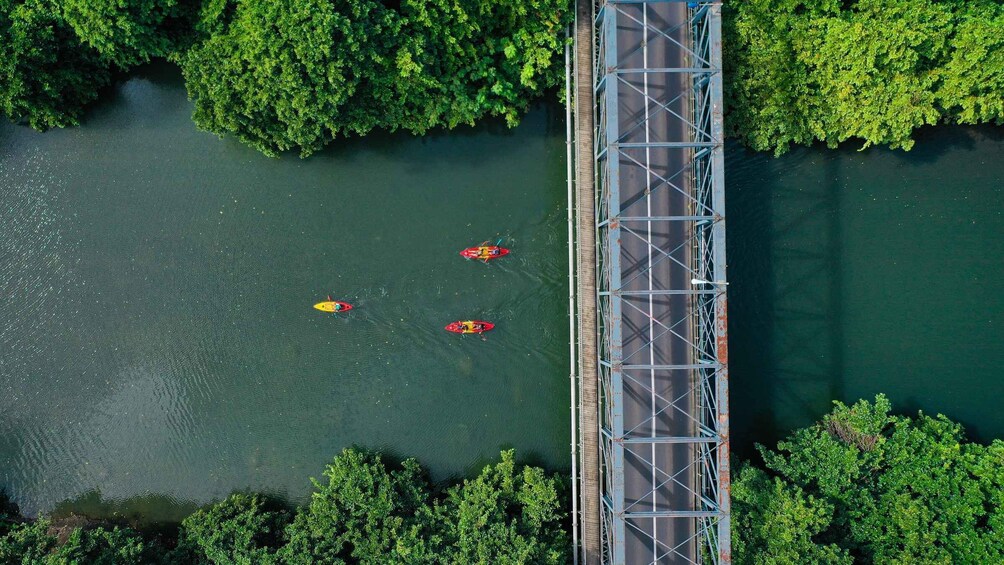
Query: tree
{"points": [[101, 546], [294, 74], [46, 76], [243, 529], [483, 57], [875, 69], [973, 78], [280, 75], [799, 71], [778, 522], [26, 543], [129, 32], [767, 90], [367, 513], [507, 516], [902, 490]]}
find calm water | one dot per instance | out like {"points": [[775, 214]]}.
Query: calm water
{"points": [[855, 273], [158, 348], [156, 326]]}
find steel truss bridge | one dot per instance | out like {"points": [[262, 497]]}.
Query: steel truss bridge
{"points": [[661, 350]]}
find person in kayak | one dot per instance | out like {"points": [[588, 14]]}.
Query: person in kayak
{"points": [[477, 327]]}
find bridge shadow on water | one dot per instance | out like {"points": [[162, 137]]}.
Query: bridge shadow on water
{"points": [[785, 308]]}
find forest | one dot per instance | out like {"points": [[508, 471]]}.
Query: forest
{"points": [[366, 510], [288, 75], [866, 486], [805, 71], [292, 75]]}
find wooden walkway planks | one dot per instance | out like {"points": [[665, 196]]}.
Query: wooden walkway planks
{"points": [[586, 288]]}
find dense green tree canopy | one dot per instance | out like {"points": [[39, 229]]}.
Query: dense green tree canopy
{"points": [[128, 32], [289, 74], [506, 516], [283, 73], [244, 529], [777, 522], [876, 487], [102, 546], [293, 74], [365, 511], [46, 76], [33, 543], [875, 70]]}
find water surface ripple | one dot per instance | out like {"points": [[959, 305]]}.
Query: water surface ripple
{"points": [[156, 325]]}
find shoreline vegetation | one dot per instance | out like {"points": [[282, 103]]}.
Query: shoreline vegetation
{"points": [[292, 75], [860, 486], [365, 510], [865, 486], [289, 75], [805, 71]]}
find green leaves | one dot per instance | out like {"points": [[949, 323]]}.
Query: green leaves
{"points": [[875, 70], [100, 546], [294, 74], [46, 76], [127, 32], [284, 75], [777, 522], [244, 529], [369, 513], [973, 77], [506, 517], [279, 76], [881, 488], [365, 511], [26, 543]]}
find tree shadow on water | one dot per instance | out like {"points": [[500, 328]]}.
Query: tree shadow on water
{"points": [[934, 142], [151, 512], [489, 138]]}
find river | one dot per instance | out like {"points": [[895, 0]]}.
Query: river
{"points": [[158, 336], [859, 272], [159, 348]]}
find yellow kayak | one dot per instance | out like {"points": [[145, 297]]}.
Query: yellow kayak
{"points": [[333, 306]]}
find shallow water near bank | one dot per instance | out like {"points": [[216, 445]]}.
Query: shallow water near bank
{"points": [[859, 272], [158, 338]]}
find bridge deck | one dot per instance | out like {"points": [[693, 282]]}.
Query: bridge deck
{"points": [[655, 256], [660, 285]]}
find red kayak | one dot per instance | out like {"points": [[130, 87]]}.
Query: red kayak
{"points": [[484, 252], [470, 327]]}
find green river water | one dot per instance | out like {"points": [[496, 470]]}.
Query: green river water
{"points": [[158, 348], [158, 333], [859, 272]]}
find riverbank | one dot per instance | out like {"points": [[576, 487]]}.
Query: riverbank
{"points": [[366, 509]]}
